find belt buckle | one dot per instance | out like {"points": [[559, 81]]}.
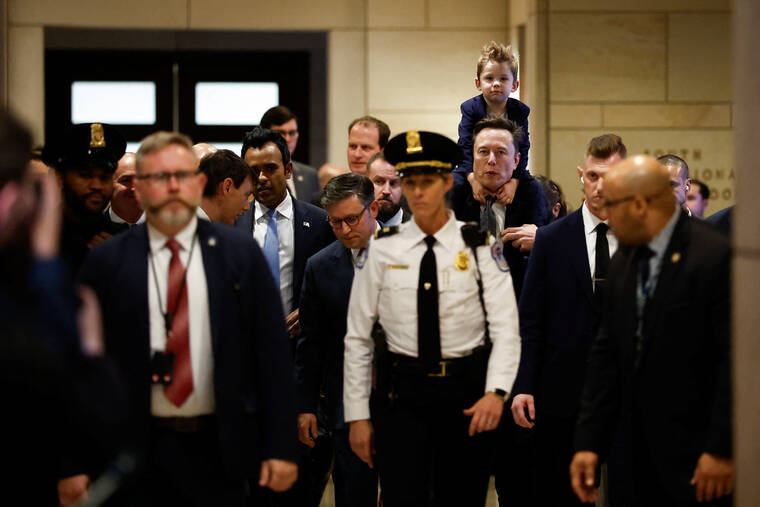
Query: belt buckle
{"points": [[442, 371]]}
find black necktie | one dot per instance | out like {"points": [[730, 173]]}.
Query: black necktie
{"points": [[602, 259], [488, 218], [428, 331], [644, 253]]}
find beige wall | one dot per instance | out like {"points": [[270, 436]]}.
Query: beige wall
{"points": [[409, 62], [656, 72]]}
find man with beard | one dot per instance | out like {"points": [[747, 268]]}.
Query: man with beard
{"points": [[205, 351], [85, 158], [387, 191], [124, 211]]}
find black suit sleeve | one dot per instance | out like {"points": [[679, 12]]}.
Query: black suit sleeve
{"points": [[600, 398], [310, 360], [533, 317], [717, 286]]}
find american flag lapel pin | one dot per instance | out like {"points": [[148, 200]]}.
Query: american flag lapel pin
{"points": [[306, 224]]}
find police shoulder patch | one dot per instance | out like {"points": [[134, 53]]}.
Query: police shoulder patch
{"points": [[386, 231], [498, 256]]}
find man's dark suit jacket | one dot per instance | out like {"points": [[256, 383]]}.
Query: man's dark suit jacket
{"points": [[558, 318], [528, 207], [679, 392], [253, 386], [474, 110], [323, 312], [311, 233], [305, 180]]}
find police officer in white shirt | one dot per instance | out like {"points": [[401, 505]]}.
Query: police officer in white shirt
{"points": [[452, 346]]}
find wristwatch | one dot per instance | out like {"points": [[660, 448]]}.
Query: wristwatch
{"points": [[501, 393]]}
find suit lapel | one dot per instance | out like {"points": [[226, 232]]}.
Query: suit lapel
{"points": [[578, 252], [137, 252], [670, 266], [213, 265]]}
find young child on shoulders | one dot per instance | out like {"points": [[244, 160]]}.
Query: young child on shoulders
{"points": [[496, 78]]}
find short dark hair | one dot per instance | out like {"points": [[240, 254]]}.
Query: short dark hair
{"points": [[277, 116], [704, 190], [383, 130], [346, 185], [554, 195], [221, 165], [380, 155], [15, 141], [259, 136], [605, 146], [518, 134], [670, 159]]}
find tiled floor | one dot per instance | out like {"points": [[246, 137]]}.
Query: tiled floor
{"points": [[327, 498]]}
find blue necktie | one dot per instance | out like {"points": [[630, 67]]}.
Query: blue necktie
{"points": [[272, 247]]}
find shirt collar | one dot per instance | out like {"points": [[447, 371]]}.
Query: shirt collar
{"points": [[118, 220], [446, 235], [285, 208], [590, 221], [660, 242], [202, 213], [184, 237], [395, 219]]}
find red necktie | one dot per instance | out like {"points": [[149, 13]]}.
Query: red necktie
{"points": [[179, 337]]}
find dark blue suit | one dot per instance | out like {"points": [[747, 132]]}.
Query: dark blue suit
{"points": [[528, 207], [253, 387], [558, 320], [474, 110], [311, 233], [319, 365]]}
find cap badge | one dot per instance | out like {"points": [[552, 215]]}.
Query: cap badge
{"points": [[413, 144], [462, 262], [97, 137]]}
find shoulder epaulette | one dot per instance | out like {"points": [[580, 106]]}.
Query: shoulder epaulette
{"points": [[386, 231], [473, 236]]}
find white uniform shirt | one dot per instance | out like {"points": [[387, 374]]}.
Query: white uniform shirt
{"points": [[590, 221], [386, 287], [286, 237], [201, 400]]}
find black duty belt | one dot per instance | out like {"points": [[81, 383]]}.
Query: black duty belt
{"points": [[449, 367], [184, 424]]}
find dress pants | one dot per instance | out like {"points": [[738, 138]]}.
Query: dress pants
{"points": [[553, 454], [513, 457], [355, 482], [424, 455]]}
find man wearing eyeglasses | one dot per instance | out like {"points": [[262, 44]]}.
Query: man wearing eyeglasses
{"points": [[559, 315], [668, 376], [350, 203], [304, 182], [205, 352]]}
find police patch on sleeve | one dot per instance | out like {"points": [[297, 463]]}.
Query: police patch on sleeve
{"points": [[498, 256]]}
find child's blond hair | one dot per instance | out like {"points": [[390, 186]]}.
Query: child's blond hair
{"points": [[498, 53]]}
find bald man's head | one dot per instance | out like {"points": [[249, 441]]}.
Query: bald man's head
{"points": [[203, 149], [328, 171], [639, 199]]}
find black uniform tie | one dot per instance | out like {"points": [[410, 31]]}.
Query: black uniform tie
{"points": [[488, 218], [428, 331], [602, 260]]}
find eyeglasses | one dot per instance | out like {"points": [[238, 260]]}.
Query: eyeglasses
{"points": [[350, 220], [163, 177]]}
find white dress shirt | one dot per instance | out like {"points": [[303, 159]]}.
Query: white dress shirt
{"points": [[386, 287], [201, 400], [500, 211], [118, 220], [590, 221], [395, 219], [286, 237]]}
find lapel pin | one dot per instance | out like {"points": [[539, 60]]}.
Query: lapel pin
{"points": [[427, 285], [299, 177], [212, 241], [675, 257], [306, 224]]}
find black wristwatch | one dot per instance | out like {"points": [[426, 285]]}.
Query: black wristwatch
{"points": [[501, 393]]}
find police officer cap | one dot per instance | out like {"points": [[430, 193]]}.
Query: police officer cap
{"points": [[86, 146], [419, 152]]}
